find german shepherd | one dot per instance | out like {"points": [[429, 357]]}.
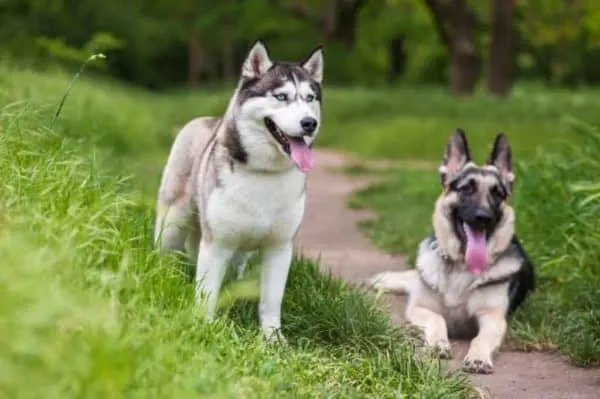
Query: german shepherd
{"points": [[472, 272]]}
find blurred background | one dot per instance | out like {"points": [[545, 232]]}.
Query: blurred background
{"points": [[81, 157], [160, 44]]}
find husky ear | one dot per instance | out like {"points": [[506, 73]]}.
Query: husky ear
{"points": [[456, 156], [257, 62], [501, 157], [313, 64]]}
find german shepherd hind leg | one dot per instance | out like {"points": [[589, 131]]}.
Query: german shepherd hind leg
{"points": [[398, 282]]}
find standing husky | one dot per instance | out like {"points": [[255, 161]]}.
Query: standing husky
{"points": [[472, 272], [236, 184]]}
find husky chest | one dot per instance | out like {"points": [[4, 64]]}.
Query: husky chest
{"points": [[254, 209]]}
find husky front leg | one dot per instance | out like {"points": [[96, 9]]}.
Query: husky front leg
{"points": [[276, 264], [492, 328], [434, 328], [210, 271]]}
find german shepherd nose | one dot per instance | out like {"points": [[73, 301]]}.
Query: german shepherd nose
{"points": [[483, 216], [309, 125]]}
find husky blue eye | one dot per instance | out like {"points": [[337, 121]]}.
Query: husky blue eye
{"points": [[310, 98], [281, 96]]}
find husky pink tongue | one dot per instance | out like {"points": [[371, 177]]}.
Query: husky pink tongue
{"points": [[476, 255], [302, 155]]}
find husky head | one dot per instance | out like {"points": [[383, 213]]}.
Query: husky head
{"points": [[277, 109], [472, 220]]}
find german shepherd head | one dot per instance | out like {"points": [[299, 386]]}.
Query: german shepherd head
{"points": [[472, 221]]}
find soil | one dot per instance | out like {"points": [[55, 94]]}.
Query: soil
{"points": [[329, 232]]}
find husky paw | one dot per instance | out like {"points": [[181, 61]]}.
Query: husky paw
{"points": [[477, 365], [274, 336]]}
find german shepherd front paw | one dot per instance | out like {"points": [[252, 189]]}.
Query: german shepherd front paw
{"points": [[477, 364], [443, 349]]}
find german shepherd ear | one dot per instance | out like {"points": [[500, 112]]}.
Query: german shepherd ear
{"points": [[501, 158], [456, 156], [313, 64], [257, 62]]}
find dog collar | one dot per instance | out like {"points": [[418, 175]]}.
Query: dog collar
{"points": [[435, 246], [450, 262]]}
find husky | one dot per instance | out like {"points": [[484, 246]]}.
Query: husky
{"points": [[472, 272], [234, 185]]}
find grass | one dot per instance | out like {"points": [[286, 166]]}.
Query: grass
{"points": [[90, 310], [557, 200]]}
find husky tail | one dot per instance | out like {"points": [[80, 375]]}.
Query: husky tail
{"points": [[397, 282], [174, 213]]}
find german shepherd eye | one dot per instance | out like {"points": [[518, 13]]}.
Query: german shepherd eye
{"points": [[310, 98], [497, 192], [469, 188], [281, 96]]}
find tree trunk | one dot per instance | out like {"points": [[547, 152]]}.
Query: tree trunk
{"points": [[229, 71], [228, 48], [346, 21], [337, 22], [456, 24], [397, 57], [329, 19], [195, 58], [500, 59]]}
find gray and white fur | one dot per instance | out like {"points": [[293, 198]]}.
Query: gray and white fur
{"points": [[235, 184]]}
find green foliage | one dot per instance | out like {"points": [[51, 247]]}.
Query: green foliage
{"points": [[149, 43], [397, 124], [560, 40], [90, 309], [558, 204]]}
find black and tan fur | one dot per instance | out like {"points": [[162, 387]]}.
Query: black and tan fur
{"points": [[445, 299]]}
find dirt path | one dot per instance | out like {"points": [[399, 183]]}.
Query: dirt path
{"points": [[329, 231]]}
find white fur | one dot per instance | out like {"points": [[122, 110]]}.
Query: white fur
{"points": [[286, 114], [251, 211], [456, 298], [314, 65], [257, 62], [223, 213]]}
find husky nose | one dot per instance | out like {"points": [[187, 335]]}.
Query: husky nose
{"points": [[309, 125]]}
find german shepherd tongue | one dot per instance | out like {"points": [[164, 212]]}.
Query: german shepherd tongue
{"points": [[302, 155], [476, 255]]}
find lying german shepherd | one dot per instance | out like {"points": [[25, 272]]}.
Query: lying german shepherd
{"points": [[472, 272]]}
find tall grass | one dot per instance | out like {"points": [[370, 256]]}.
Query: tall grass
{"points": [[89, 308], [559, 206]]}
